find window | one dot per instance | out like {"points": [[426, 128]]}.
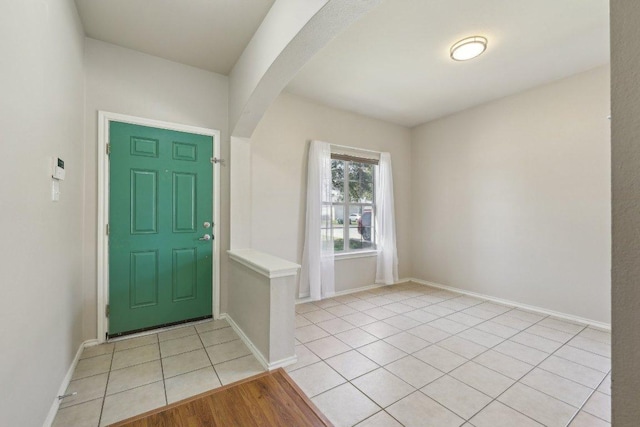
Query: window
{"points": [[350, 215]]}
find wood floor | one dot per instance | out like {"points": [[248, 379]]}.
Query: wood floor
{"points": [[268, 399]]}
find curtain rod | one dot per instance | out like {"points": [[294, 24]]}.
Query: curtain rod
{"points": [[356, 148]]}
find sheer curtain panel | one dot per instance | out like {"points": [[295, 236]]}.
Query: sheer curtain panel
{"points": [[317, 278], [387, 262]]}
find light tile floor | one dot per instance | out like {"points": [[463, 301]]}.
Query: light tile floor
{"points": [[400, 355], [121, 379], [414, 355]]}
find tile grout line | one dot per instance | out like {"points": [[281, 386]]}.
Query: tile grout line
{"points": [[164, 384], [106, 386]]}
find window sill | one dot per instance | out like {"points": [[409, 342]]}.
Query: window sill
{"points": [[355, 254]]}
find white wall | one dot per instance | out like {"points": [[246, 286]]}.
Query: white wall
{"points": [[512, 198], [625, 141], [128, 82], [279, 150], [41, 87]]}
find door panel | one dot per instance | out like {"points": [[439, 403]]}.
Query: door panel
{"points": [[161, 193]]}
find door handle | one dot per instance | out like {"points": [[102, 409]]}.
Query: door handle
{"points": [[206, 237]]}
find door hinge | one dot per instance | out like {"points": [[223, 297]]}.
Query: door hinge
{"points": [[108, 149], [216, 160], [107, 229], [106, 310]]}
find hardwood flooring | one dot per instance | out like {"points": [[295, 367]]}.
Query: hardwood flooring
{"points": [[267, 399]]}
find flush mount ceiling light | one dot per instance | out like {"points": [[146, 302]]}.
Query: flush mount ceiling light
{"points": [[468, 48]]}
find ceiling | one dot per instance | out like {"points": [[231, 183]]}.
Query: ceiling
{"points": [[208, 34], [394, 63]]}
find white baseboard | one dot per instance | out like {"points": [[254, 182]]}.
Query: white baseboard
{"points": [[533, 308], [257, 353], [65, 382], [351, 291]]}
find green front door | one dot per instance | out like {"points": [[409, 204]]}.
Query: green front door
{"points": [[160, 213]]}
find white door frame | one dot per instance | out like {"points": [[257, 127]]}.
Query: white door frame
{"points": [[104, 118]]}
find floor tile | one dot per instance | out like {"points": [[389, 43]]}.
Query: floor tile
{"points": [[429, 333], [448, 326], [302, 321], [217, 336], [134, 376], [310, 333], [465, 319], [573, 371], [135, 356], [341, 310], [539, 406], [458, 397], [537, 342], [92, 366], [382, 387], [561, 325], [506, 365], [379, 301], [345, 405], [190, 384], [480, 337], [421, 316], [500, 415], [211, 325], [399, 307], [185, 362], [599, 405], [402, 322], [335, 326], [97, 350], [356, 338], [586, 344], [380, 313], [88, 388], [359, 319], [596, 335], [407, 342], [85, 414], [453, 305], [463, 347], [227, 351], [184, 331], [494, 307], [440, 358], [521, 352], [421, 411], [414, 371], [584, 419], [351, 364], [183, 345], [136, 342], [317, 378], [361, 305], [529, 316], [416, 303], [551, 334], [306, 308], [345, 299], [483, 379], [318, 316], [497, 329], [438, 311], [326, 303], [480, 313], [605, 386], [305, 357], [381, 419], [238, 369], [586, 358], [327, 347], [132, 402], [381, 352], [555, 386], [511, 322], [380, 329]]}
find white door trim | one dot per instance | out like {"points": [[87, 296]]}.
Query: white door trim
{"points": [[104, 117]]}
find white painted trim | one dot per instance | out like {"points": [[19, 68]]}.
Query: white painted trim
{"points": [[53, 411], [257, 353], [355, 254], [104, 117], [532, 308], [267, 265], [305, 299]]}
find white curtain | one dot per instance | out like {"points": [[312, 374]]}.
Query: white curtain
{"points": [[317, 278], [387, 263]]}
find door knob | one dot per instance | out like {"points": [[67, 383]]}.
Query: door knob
{"points": [[205, 237], [206, 224]]}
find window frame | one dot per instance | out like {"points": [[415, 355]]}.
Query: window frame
{"points": [[347, 251]]}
